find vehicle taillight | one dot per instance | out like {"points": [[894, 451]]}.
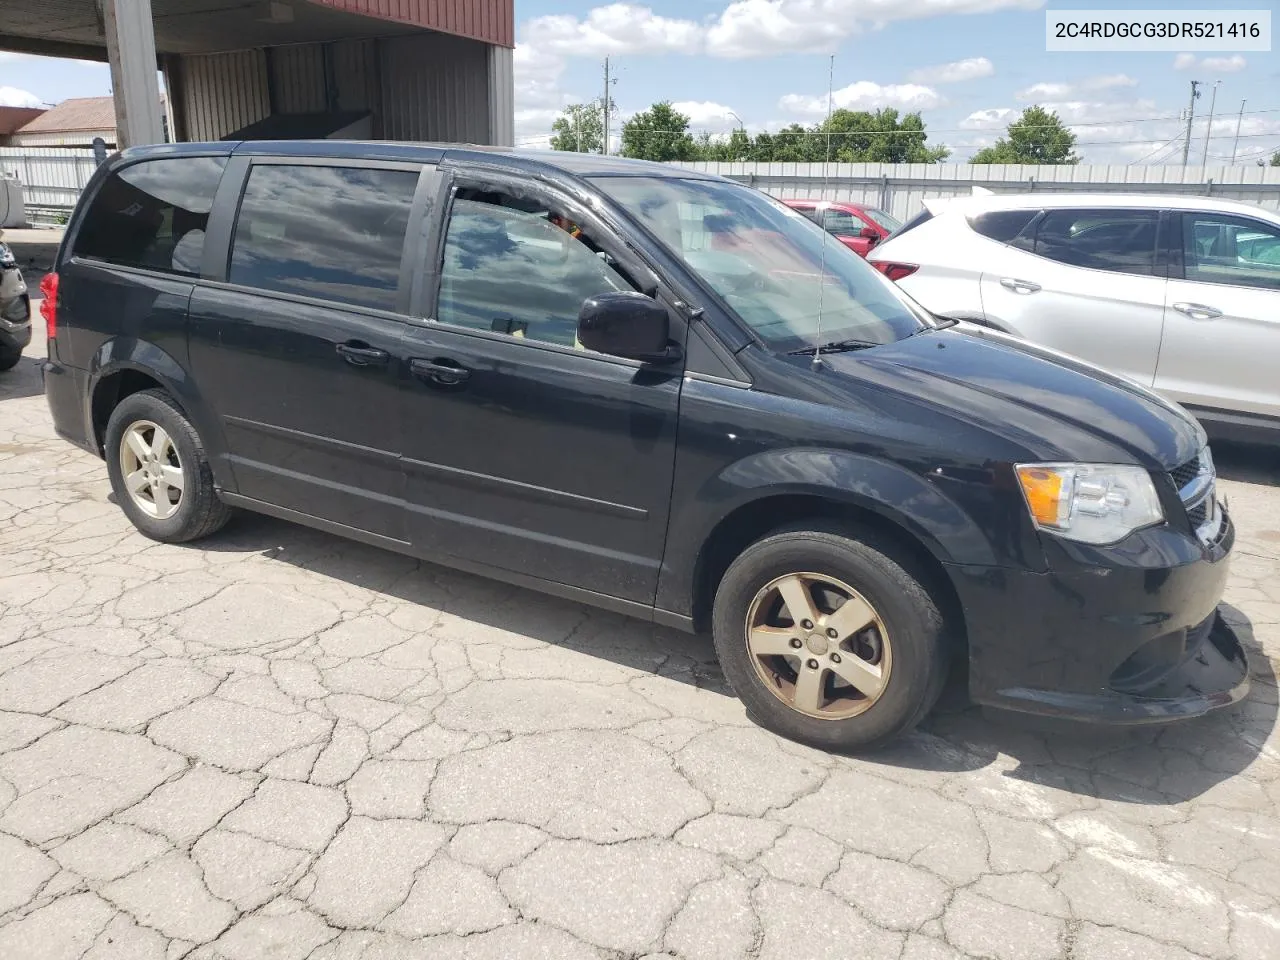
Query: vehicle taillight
{"points": [[49, 305], [896, 271]]}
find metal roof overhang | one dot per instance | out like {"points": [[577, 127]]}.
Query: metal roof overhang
{"points": [[73, 28]]}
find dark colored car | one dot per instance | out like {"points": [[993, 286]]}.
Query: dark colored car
{"points": [[15, 310], [636, 387], [858, 227]]}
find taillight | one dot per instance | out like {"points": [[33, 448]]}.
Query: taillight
{"points": [[49, 305], [895, 271]]}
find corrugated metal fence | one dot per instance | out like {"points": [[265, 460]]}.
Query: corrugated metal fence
{"points": [[899, 188], [51, 177]]}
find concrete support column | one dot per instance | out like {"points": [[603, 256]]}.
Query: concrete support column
{"points": [[502, 97], [131, 51]]}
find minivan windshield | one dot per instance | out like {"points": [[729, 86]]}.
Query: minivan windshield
{"points": [[766, 262]]}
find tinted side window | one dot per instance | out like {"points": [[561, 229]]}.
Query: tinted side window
{"points": [[841, 223], [809, 213], [924, 216], [1002, 225], [1231, 250], [330, 232], [514, 269], [152, 215], [1120, 241]]}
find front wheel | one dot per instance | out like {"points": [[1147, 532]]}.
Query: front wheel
{"points": [[9, 359], [829, 638], [159, 471]]}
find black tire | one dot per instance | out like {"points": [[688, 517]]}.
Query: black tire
{"points": [[199, 512], [886, 577], [9, 359]]}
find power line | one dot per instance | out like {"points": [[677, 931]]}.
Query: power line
{"points": [[1164, 146]]}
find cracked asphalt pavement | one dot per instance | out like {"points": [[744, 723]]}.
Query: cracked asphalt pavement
{"points": [[279, 744]]}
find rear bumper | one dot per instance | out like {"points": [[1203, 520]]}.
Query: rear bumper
{"points": [[15, 324], [1135, 636], [64, 390]]}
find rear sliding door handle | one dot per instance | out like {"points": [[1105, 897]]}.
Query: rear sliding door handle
{"points": [[360, 354], [1198, 311], [1019, 286], [438, 371]]}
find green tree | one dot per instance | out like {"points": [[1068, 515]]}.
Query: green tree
{"points": [[1275, 159], [881, 137], [660, 133], [852, 136], [1038, 136], [737, 146], [579, 129]]}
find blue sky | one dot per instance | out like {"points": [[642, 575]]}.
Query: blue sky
{"points": [[969, 65]]}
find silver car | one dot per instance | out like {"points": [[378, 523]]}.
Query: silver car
{"points": [[1178, 293]]}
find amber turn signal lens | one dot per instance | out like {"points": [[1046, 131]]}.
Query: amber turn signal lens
{"points": [[1044, 492]]}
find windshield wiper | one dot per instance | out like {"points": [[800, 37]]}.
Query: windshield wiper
{"points": [[835, 346]]}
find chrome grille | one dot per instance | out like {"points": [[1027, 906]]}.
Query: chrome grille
{"points": [[1184, 474], [1196, 484]]}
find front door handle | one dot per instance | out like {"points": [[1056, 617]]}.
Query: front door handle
{"points": [[1019, 286], [1198, 311], [360, 354], [440, 371]]}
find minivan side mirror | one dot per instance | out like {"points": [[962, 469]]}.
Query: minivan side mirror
{"points": [[626, 324], [869, 233]]}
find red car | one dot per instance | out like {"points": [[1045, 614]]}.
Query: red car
{"points": [[859, 228]]}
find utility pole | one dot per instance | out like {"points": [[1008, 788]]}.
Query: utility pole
{"points": [[1208, 131], [1191, 112], [1235, 145], [605, 148]]}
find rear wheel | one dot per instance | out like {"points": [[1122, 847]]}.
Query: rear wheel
{"points": [[159, 472], [829, 637]]}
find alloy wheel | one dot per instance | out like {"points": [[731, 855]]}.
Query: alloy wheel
{"points": [[151, 469], [818, 645]]}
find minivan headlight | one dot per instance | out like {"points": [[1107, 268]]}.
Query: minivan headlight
{"points": [[1090, 502]]}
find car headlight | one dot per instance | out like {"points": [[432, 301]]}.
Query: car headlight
{"points": [[1090, 502]]}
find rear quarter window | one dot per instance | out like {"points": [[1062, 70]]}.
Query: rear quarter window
{"points": [[152, 215], [1002, 225], [924, 216]]}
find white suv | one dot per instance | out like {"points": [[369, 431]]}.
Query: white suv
{"points": [[1178, 293]]}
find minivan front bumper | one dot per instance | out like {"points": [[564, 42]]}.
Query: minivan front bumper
{"points": [[1133, 635]]}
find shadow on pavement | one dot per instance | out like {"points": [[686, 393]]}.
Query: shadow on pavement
{"points": [[1247, 463], [23, 380], [1164, 764]]}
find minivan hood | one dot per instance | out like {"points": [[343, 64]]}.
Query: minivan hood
{"points": [[1053, 404]]}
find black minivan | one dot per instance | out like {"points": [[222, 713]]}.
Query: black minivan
{"points": [[649, 389]]}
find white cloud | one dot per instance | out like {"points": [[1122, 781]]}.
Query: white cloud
{"points": [[989, 119], [865, 95], [745, 28], [752, 28], [969, 69], [537, 76], [706, 115], [1060, 91], [1232, 64], [13, 97], [613, 30]]}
